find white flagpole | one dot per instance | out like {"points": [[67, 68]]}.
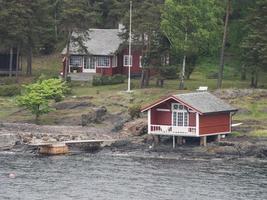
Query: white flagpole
{"points": [[130, 50]]}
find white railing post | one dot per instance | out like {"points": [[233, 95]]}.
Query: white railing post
{"points": [[149, 121], [197, 123]]}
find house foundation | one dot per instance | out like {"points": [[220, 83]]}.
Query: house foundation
{"points": [[218, 138], [156, 139], [180, 140], [203, 141]]}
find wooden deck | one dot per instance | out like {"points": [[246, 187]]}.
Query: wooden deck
{"points": [[56, 148], [81, 76], [71, 142]]}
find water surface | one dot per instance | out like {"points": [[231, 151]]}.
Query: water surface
{"points": [[98, 176]]}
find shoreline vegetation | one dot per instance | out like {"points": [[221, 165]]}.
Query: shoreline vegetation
{"points": [[249, 139], [65, 123]]}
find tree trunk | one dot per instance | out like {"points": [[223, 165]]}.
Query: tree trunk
{"points": [[142, 79], [221, 66], [10, 62], [182, 75], [256, 79], [147, 77], [243, 73], [29, 60], [66, 68], [17, 64], [181, 86], [252, 79], [55, 21]]}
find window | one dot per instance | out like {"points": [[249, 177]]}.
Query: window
{"points": [[140, 62], [76, 61], [114, 61], [126, 61], [177, 106], [179, 115], [103, 61], [180, 118]]}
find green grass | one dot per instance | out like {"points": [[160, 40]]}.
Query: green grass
{"points": [[117, 100], [7, 107], [259, 133]]}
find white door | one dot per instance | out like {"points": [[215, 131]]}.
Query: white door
{"points": [[180, 121], [89, 65]]}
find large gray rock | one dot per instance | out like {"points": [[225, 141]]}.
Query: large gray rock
{"points": [[72, 105], [94, 116], [8, 140]]}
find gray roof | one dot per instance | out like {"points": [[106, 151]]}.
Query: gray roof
{"points": [[100, 42], [205, 102]]}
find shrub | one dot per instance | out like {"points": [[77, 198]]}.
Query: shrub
{"points": [[108, 80], [7, 80], [37, 96], [134, 111], [169, 72], [10, 90], [212, 75]]}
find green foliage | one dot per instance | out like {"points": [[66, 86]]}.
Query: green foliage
{"points": [[186, 17], [134, 111], [10, 90], [7, 80], [37, 96], [169, 72], [254, 44], [190, 31], [108, 80]]}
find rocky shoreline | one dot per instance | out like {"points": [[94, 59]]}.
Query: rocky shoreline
{"points": [[15, 137]]}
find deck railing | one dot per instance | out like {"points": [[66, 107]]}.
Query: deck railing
{"points": [[173, 130]]}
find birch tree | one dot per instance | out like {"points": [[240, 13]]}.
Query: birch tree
{"points": [[190, 26]]}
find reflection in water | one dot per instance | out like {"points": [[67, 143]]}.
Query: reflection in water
{"points": [[96, 176]]}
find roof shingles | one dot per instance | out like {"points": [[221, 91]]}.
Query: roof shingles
{"points": [[205, 102], [101, 42]]}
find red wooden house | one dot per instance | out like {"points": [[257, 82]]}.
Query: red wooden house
{"points": [[104, 55], [198, 114]]}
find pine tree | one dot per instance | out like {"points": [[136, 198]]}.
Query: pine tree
{"points": [[146, 31], [254, 45], [76, 16]]}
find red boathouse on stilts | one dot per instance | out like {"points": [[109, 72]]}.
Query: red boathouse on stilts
{"points": [[198, 114]]}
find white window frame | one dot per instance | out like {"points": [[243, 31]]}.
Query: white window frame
{"points": [[115, 61], [100, 62], [179, 110], [74, 59], [140, 61], [126, 60]]}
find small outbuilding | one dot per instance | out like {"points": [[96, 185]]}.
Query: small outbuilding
{"points": [[198, 114]]}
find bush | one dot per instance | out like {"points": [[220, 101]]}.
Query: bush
{"points": [[134, 111], [108, 80], [7, 80], [37, 96], [169, 72], [212, 75], [10, 90]]}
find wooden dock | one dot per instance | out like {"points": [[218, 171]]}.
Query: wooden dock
{"points": [[56, 148]]}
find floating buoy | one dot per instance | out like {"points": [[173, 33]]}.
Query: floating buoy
{"points": [[12, 175]]}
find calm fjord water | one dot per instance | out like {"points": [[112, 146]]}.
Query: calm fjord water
{"points": [[97, 176]]}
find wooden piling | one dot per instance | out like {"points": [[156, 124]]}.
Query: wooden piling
{"points": [[180, 140], [54, 149], [203, 141]]}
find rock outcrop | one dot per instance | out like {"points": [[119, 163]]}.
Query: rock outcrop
{"points": [[137, 127], [95, 115], [8, 140]]}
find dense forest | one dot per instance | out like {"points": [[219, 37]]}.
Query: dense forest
{"points": [[173, 34]]}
